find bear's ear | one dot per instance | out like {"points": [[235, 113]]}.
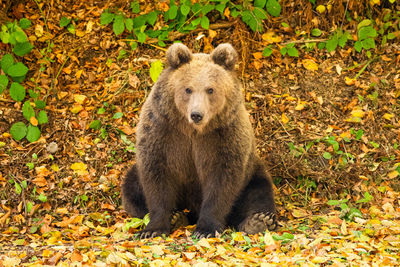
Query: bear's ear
{"points": [[178, 54], [225, 55]]}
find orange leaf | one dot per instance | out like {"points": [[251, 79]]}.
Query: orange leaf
{"points": [[257, 55], [227, 12], [285, 119], [33, 121]]}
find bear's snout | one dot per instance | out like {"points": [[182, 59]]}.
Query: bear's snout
{"points": [[196, 116]]}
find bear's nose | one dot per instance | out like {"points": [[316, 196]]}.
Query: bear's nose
{"points": [[196, 117]]}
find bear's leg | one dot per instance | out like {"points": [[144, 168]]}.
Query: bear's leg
{"points": [[254, 211], [132, 195], [134, 202]]}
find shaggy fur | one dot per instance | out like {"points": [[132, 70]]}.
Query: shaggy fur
{"points": [[209, 167]]}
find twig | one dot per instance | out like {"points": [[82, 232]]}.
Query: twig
{"points": [[305, 41], [365, 66]]}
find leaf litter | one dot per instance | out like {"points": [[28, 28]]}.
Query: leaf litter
{"points": [[302, 109]]}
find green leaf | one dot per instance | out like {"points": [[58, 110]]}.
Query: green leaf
{"points": [[366, 32], [18, 131], [30, 165], [343, 39], [6, 62], [316, 32], [368, 43], [321, 45], [27, 111], [21, 49], [260, 3], [64, 21], [283, 51], [358, 46], [17, 70], [152, 17], [18, 188], [42, 117], [207, 8], [333, 202], [135, 7], [40, 104], [327, 155], [106, 18], [33, 133], [267, 51], [71, 28], [3, 83], [364, 23], [172, 12], [220, 8], [101, 111], [24, 23], [129, 24], [95, 125], [20, 36], [332, 43], [42, 197], [273, 8], [293, 52], [375, 145], [17, 92], [155, 70], [29, 206], [118, 115], [205, 22], [391, 35], [185, 10], [259, 13], [118, 25]]}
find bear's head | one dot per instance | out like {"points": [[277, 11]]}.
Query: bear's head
{"points": [[202, 84]]}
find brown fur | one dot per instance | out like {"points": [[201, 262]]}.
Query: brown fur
{"points": [[209, 167]]}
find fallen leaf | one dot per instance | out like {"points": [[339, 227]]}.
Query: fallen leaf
{"points": [[310, 64], [285, 119]]}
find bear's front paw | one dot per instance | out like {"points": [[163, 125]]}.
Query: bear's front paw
{"points": [[151, 233]]}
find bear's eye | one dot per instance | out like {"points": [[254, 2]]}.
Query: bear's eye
{"points": [[210, 91], [188, 91]]}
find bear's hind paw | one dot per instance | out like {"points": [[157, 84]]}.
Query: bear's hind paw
{"points": [[259, 222], [178, 219]]}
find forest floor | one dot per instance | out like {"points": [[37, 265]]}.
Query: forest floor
{"points": [[307, 113]]}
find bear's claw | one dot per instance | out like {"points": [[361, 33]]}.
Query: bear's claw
{"points": [[259, 222]]}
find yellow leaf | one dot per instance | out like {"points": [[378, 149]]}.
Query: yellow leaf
{"points": [[299, 107], [310, 64], [271, 37], [388, 116], [47, 253], [55, 167], [78, 74], [321, 9], [33, 121], [76, 108], [349, 81], [39, 30], [79, 168], [80, 33], [204, 243], [393, 174], [79, 98], [358, 113], [285, 119]]}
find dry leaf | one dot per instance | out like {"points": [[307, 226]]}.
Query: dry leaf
{"points": [[310, 64]]}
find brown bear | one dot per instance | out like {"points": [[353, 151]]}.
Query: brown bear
{"points": [[196, 151]]}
